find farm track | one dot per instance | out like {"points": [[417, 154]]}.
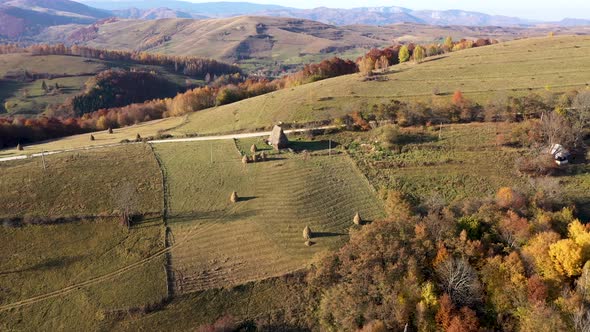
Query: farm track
{"points": [[105, 277], [164, 141]]}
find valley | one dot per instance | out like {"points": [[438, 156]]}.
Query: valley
{"points": [[255, 167]]}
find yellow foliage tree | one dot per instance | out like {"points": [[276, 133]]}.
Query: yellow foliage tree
{"points": [[537, 252], [102, 123], [419, 54], [567, 257]]}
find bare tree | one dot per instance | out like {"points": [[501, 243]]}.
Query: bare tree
{"points": [[580, 115], [459, 280], [556, 129], [581, 320], [126, 201]]}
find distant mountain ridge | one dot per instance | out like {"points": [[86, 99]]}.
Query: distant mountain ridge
{"points": [[27, 17], [383, 15]]}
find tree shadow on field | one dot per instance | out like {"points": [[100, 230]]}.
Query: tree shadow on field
{"points": [[48, 264], [312, 145], [245, 199], [317, 235], [432, 59], [219, 217]]}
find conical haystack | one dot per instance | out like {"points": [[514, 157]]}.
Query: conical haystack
{"points": [[278, 139], [357, 219], [234, 197], [307, 234]]}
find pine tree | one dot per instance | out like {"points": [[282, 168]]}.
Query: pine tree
{"points": [[404, 54]]}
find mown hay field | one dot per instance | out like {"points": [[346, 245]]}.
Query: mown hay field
{"points": [[513, 68], [217, 243]]}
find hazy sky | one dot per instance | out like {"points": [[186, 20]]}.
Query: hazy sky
{"points": [[532, 9]]}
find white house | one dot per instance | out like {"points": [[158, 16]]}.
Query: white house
{"points": [[560, 154]]}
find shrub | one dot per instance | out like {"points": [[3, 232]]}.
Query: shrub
{"points": [[390, 136], [543, 164], [508, 198], [92, 137], [110, 130]]}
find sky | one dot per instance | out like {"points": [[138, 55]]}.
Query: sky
{"points": [[530, 9]]}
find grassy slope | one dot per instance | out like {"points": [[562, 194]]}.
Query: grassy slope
{"points": [[37, 260], [81, 69], [466, 163], [12, 93], [218, 243], [259, 300], [41, 259], [457, 167], [513, 68], [145, 129], [81, 184]]}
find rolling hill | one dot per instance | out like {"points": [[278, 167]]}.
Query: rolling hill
{"points": [[512, 68], [29, 17], [22, 76], [257, 42]]}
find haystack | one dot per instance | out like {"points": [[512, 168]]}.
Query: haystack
{"points": [[234, 197], [245, 160], [278, 139], [357, 219], [307, 234]]}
